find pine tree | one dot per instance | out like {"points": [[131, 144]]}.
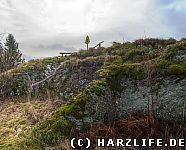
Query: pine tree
{"points": [[12, 55], [87, 41], [1, 58]]}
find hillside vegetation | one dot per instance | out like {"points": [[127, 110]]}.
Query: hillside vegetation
{"points": [[135, 90]]}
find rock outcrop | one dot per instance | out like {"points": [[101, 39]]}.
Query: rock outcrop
{"points": [[122, 79]]}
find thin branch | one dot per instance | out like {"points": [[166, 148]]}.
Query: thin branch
{"points": [[47, 78]]}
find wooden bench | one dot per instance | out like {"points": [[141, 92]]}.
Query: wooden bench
{"points": [[65, 54], [98, 45]]}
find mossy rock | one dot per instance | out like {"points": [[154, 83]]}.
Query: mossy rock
{"points": [[129, 70], [172, 50], [58, 126]]}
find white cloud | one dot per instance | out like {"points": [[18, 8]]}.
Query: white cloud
{"points": [[179, 5], [65, 23]]}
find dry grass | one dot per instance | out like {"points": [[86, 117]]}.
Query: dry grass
{"points": [[136, 126], [65, 145], [18, 116]]}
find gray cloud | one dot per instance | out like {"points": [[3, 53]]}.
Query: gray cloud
{"points": [[56, 46], [173, 13], [43, 28]]}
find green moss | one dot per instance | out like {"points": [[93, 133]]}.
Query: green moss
{"points": [[122, 49], [31, 65], [91, 52], [162, 66], [56, 59], [58, 127], [131, 64], [154, 43], [98, 83], [133, 71], [176, 69], [98, 87], [173, 49], [115, 73], [74, 107], [118, 61], [129, 46], [130, 70], [49, 132], [38, 64], [135, 55], [167, 68]]}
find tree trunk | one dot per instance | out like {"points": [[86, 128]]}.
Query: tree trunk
{"points": [[87, 46]]}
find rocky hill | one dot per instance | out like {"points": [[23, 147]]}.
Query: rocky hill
{"points": [[145, 77]]}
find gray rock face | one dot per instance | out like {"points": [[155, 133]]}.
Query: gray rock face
{"points": [[166, 102], [75, 78], [172, 99], [101, 107], [180, 56], [67, 82]]}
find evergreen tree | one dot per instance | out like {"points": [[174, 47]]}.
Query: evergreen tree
{"points": [[12, 55], [87, 41], [1, 47], [1, 58]]}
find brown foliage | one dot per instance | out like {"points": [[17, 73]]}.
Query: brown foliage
{"points": [[136, 126]]}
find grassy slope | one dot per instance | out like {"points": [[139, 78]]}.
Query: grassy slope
{"points": [[19, 116]]}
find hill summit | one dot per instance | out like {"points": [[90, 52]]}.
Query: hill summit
{"points": [[140, 85]]}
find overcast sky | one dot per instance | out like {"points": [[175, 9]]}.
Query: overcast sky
{"points": [[45, 27]]}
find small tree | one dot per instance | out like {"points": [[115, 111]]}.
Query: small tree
{"points": [[12, 54], [87, 41]]}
